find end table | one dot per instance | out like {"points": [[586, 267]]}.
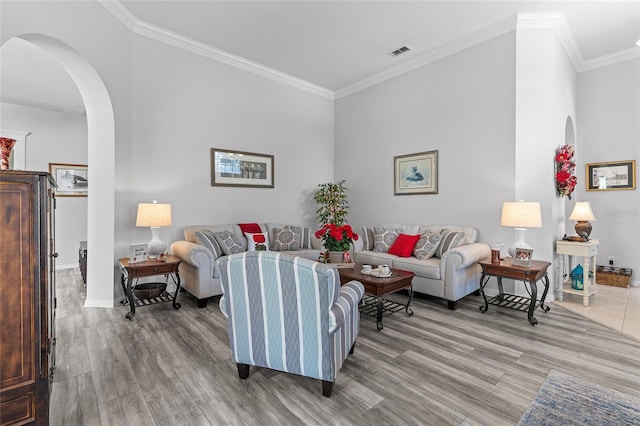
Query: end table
{"points": [[527, 274], [167, 265], [588, 250]]}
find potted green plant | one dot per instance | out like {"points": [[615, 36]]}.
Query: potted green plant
{"points": [[336, 234]]}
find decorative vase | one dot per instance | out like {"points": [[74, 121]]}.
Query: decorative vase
{"points": [[6, 145], [336, 257]]}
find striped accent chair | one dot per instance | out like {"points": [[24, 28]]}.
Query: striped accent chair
{"points": [[288, 313]]}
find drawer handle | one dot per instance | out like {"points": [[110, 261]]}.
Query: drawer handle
{"points": [[155, 269]]}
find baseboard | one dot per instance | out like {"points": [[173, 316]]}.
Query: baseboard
{"points": [[104, 303], [69, 266]]}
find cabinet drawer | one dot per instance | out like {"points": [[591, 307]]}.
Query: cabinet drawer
{"points": [[152, 270], [20, 410]]}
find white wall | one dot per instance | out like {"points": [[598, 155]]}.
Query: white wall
{"points": [[462, 106], [55, 138], [608, 113]]}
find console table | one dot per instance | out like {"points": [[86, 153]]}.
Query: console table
{"points": [[588, 250], [166, 266], [527, 274]]}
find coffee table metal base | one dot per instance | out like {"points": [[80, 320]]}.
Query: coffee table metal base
{"points": [[376, 306]]}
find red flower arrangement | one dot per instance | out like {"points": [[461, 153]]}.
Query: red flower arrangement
{"points": [[566, 179], [336, 237]]}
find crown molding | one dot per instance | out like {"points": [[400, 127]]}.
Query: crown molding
{"points": [[145, 29], [603, 61], [477, 37]]}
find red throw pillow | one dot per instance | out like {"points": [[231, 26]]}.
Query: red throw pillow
{"points": [[404, 245]]}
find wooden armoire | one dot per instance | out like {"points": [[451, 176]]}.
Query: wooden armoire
{"points": [[27, 296]]}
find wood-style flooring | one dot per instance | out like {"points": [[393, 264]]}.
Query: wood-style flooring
{"points": [[438, 367]]}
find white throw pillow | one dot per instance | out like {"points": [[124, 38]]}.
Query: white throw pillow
{"points": [[257, 241]]}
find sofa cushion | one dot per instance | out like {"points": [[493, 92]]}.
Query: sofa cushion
{"points": [[207, 239], [375, 258], [384, 237], [286, 239], [229, 242], [257, 240], [404, 245], [450, 239], [429, 268], [367, 238], [427, 245]]}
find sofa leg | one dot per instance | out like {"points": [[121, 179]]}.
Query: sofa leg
{"points": [[353, 347], [243, 370], [327, 388], [452, 304], [476, 293], [202, 303]]}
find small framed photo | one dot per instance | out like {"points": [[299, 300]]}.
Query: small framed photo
{"points": [[138, 253], [416, 173], [72, 180], [238, 168], [523, 257], [612, 175]]}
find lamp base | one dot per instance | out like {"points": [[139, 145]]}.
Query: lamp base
{"points": [[583, 228], [155, 247], [520, 242]]}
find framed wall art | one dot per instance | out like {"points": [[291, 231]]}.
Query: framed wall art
{"points": [[72, 179], [523, 257], [239, 168], [612, 175], [416, 173]]}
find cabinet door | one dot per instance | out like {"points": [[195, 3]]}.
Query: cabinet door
{"points": [[51, 273]]}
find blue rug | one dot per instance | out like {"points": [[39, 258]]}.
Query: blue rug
{"points": [[567, 400]]}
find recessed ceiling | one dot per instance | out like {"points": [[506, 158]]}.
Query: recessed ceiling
{"points": [[332, 44]]}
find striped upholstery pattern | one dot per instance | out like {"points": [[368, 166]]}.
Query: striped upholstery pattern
{"points": [[288, 313]]}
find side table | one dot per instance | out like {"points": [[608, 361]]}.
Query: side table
{"points": [[588, 250], [532, 274], [167, 266]]}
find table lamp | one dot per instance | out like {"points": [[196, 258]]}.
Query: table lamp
{"points": [[582, 213], [521, 215], [155, 216]]}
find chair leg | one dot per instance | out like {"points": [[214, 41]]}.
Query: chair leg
{"points": [[327, 387], [202, 303], [352, 348], [243, 370], [452, 304]]}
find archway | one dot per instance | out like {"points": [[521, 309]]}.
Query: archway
{"points": [[569, 133], [101, 161]]}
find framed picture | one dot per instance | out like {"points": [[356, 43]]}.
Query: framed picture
{"points": [[522, 257], [238, 168], [611, 175], [138, 253], [416, 173], [72, 179]]}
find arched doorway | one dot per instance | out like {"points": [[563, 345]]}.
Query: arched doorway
{"points": [[101, 161]]}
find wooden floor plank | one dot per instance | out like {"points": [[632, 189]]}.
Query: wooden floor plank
{"points": [[463, 367]]}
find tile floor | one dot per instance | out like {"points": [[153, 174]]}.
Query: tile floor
{"points": [[615, 307]]}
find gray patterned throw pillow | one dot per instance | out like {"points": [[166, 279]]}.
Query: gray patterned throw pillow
{"points": [[229, 242], [427, 245], [384, 237], [450, 239], [287, 238], [207, 239]]}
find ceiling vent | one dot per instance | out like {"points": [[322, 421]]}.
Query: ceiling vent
{"points": [[400, 51]]}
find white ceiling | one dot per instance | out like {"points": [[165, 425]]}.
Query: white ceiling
{"points": [[334, 45]]}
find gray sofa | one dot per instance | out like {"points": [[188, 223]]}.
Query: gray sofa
{"points": [[199, 272], [450, 275]]}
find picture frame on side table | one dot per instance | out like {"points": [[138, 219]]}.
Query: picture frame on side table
{"points": [[239, 168], [611, 175], [416, 173], [523, 257], [138, 253], [72, 180]]}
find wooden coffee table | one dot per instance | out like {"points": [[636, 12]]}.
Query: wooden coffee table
{"points": [[377, 288]]}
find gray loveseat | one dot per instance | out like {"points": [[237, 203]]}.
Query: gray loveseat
{"points": [[199, 251], [450, 274]]}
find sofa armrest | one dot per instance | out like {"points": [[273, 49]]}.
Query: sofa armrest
{"points": [[194, 254], [350, 295], [465, 256]]}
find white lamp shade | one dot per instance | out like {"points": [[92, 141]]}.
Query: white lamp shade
{"points": [[582, 211], [153, 214], [521, 214]]}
